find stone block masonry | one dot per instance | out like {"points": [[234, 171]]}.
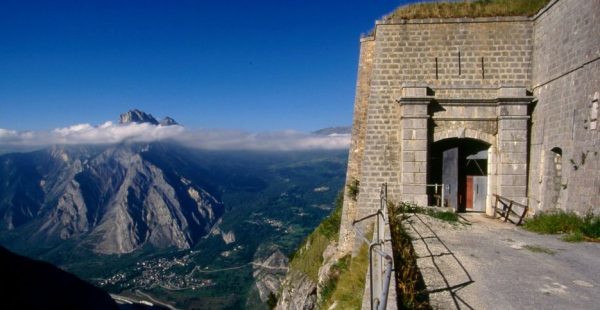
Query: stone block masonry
{"points": [[524, 87], [566, 71], [357, 143]]}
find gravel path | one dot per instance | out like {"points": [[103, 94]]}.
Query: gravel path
{"points": [[487, 264]]}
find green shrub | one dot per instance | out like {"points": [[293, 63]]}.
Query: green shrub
{"points": [[406, 207], [353, 189], [591, 226], [444, 216], [330, 227], [411, 289], [575, 227], [272, 301], [555, 222], [574, 237]]}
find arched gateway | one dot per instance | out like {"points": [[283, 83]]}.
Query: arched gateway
{"points": [[462, 166], [476, 147]]}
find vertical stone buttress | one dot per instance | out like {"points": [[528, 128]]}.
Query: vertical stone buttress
{"points": [[381, 159], [414, 119], [357, 145], [512, 145]]}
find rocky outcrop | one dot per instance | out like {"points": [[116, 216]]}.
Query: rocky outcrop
{"points": [[268, 273], [228, 237], [299, 292], [329, 259]]}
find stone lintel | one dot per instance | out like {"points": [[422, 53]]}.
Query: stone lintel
{"points": [[415, 117], [414, 100], [458, 119], [470, 102], [514, 100], [513, 117]]}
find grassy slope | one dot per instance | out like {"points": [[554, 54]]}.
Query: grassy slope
{"points": [[309, 256], [346, 281], [479, 8]]}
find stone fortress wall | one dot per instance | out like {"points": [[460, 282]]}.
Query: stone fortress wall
{"points": [[566, 84], [522, 86]]}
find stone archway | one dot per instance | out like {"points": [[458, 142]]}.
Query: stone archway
{"points": [[491, 169], [461, 133], [461, 164]]}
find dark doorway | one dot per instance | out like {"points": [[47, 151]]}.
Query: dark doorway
{"points": [[461, 165]]}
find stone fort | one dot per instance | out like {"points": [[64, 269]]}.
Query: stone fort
{"points": [[501, 105]]}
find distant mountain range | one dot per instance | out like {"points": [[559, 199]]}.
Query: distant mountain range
{"points": [[115, 197], [343, 130], [161, 204]]}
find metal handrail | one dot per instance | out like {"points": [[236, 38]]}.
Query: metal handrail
{"points": [[379, 280], [436, 187]]}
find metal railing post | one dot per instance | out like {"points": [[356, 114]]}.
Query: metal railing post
{"points": [[443, 200], [435, 191], [379, 279]]}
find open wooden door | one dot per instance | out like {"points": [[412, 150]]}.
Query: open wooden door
{"points": [[470, 192], [479, 193], [450, 176]]}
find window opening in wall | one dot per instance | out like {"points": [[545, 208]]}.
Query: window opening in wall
{"points": [[482, 69], [436, 68], [556, 175], [459, 68], [594, 112]]}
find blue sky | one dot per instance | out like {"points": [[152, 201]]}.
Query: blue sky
{"points": [[247, 65]]}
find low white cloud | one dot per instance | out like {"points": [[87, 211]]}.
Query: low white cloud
{"points": [[279, 140], [87, 134], [109, 133]]}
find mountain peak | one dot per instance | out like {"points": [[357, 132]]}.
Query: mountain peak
{"points": [[137, 116], [340, 130], [167, 121]]}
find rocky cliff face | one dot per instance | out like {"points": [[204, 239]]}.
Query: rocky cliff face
{"points": [[299, 292], [137, 116], [269, 272], [113, 196]]}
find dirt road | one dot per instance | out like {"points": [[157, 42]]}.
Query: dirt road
{"points": [[486, 264]]}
